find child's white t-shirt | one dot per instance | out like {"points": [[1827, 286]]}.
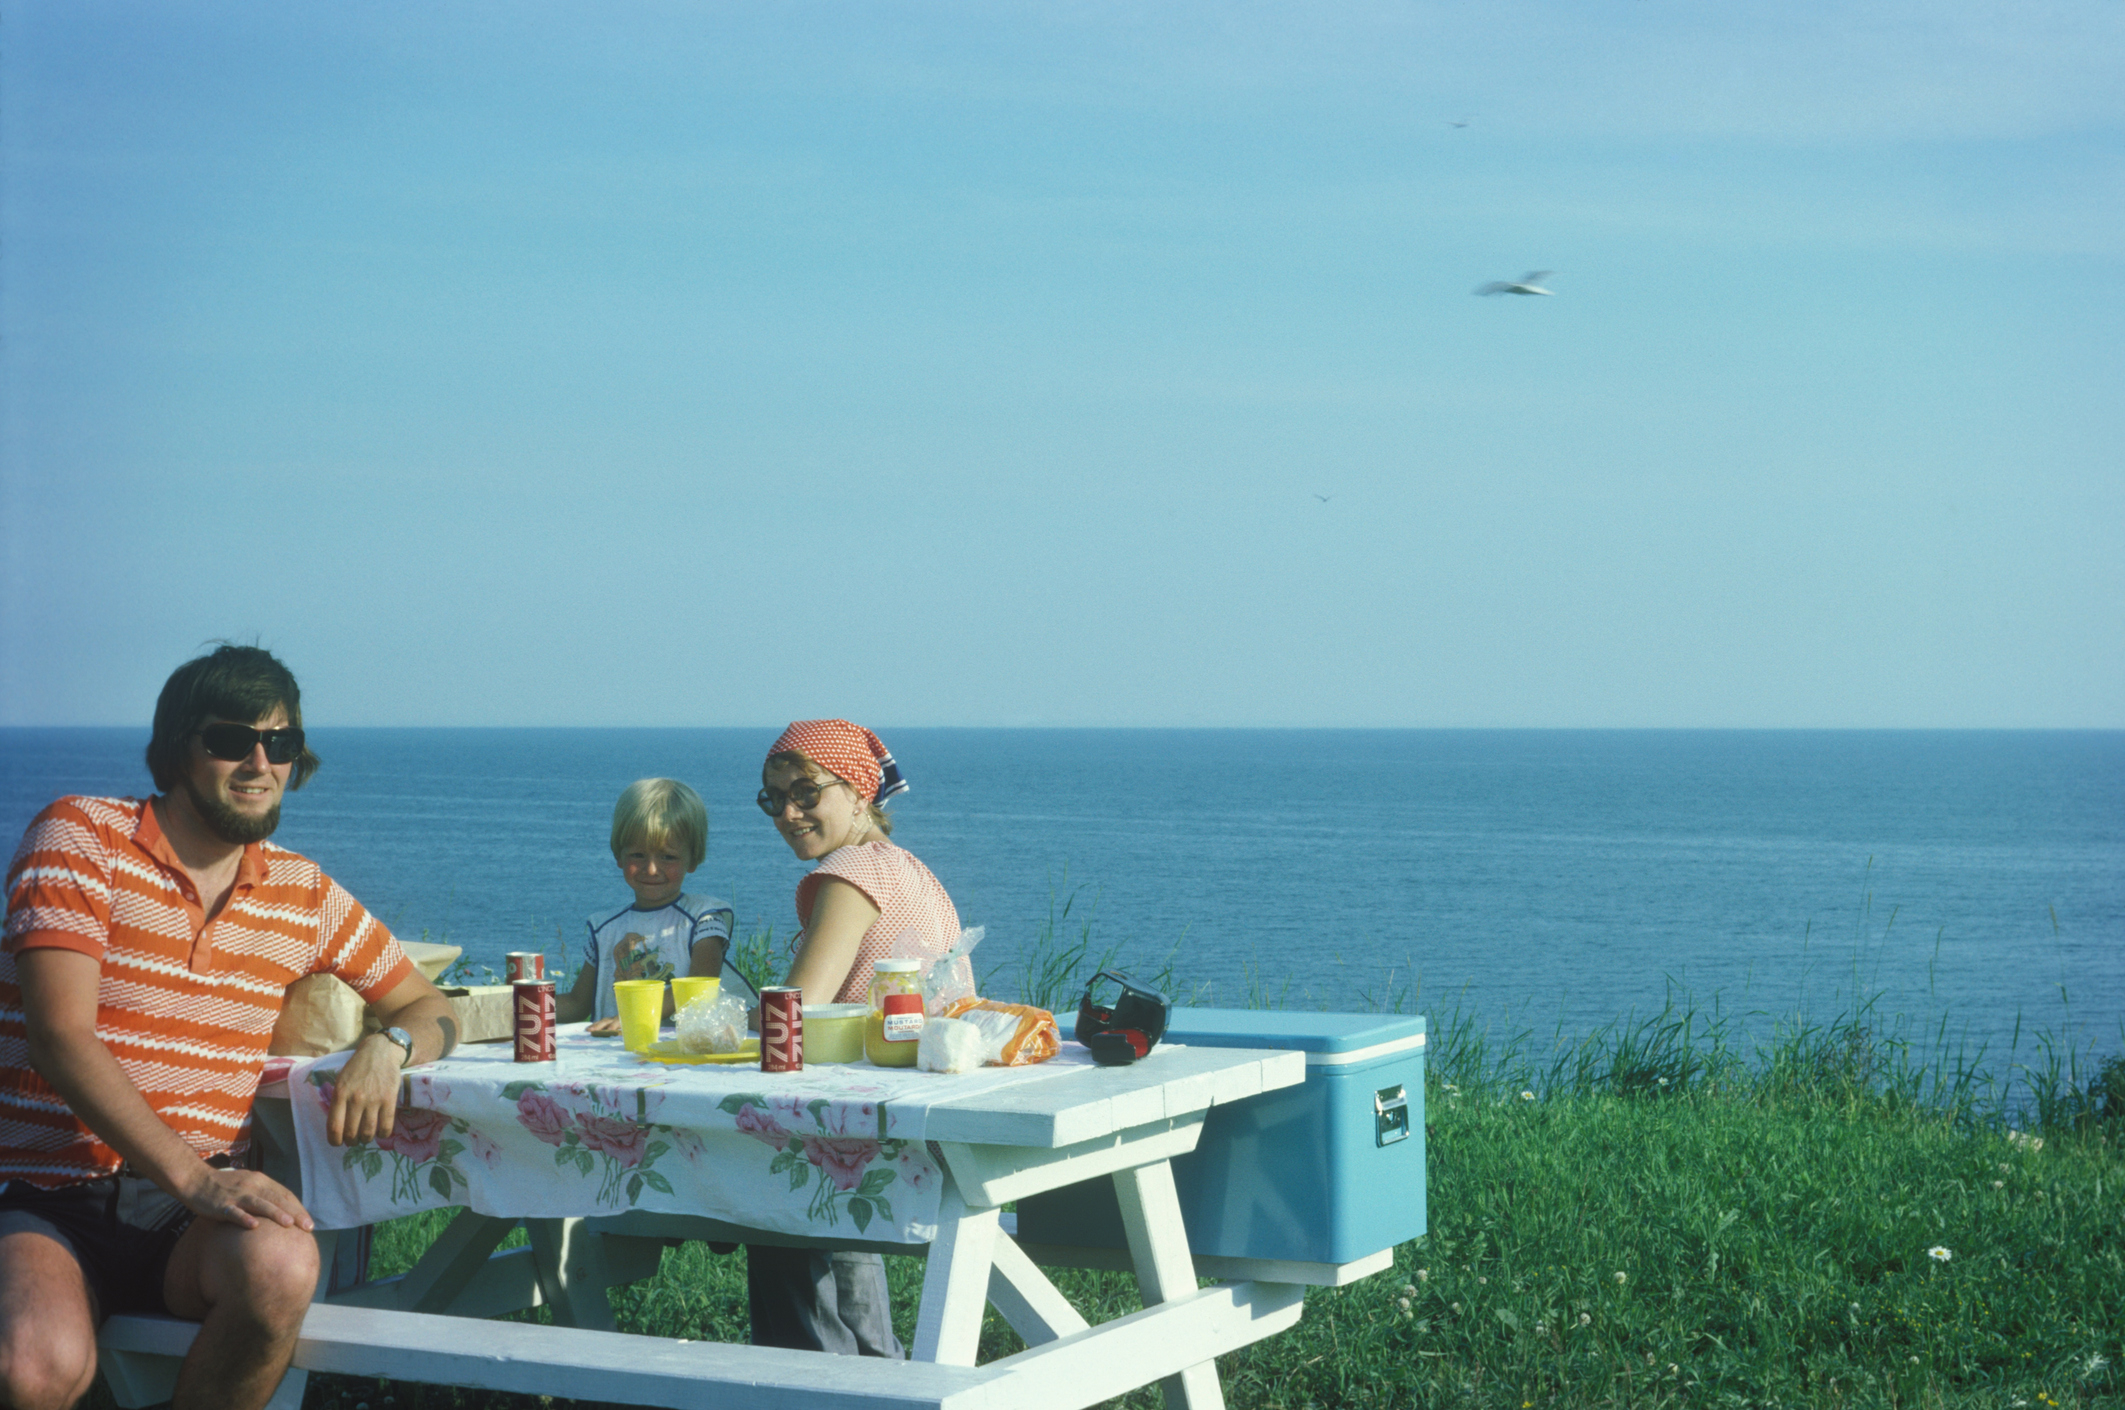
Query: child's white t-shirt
{"points": [[658, 944]]}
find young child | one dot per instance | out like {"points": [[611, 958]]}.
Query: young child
{"points": [[659, 834]]}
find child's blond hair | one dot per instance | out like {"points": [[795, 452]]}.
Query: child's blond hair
{"points": [[657, 811]]}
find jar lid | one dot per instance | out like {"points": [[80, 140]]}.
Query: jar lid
{"points": [[899, 966]]}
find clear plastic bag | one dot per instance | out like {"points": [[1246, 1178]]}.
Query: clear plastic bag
{"points": [[946, 978], [713, 1025], [1013, 1035]]}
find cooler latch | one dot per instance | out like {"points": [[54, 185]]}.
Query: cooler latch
{"points": [[1390, 1116]]}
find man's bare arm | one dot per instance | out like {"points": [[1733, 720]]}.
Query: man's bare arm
{"points": [[59, 1010], [365, 1101], [416, 1005]]}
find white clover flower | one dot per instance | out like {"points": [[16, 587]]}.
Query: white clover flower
{"points": [[1663, 1081], [1482, 1282], [1939, 1254], [1423, 1275], [1455, 1306], [1409, 1290], [1403, 1303], [1999, 1184], [1622, 1278], [1586, 1319]]}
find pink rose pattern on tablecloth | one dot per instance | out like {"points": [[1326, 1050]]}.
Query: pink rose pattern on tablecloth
{"points": [[590, 1128], [542, 1116], [417, 1135], [420, 1141], [624, 1141], [605, 1131], [483, 1146], [841, 1159], [756, 1123], [915, 1169], [844, 1145]]}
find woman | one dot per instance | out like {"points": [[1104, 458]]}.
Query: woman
{"points": [[823, 784]]}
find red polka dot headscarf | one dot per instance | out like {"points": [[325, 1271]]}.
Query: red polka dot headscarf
{"points": [[849, 751]]}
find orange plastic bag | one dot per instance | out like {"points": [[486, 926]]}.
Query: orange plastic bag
{"points": [[1016, 1034]]}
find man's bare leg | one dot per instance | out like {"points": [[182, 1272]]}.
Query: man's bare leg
{"points": [[248, 1289], [47, 1325]]}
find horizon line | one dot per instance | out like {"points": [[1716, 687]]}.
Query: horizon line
{"points": [[145, 725]]}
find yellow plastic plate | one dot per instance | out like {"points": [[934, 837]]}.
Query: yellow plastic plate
{"points": [[668, 1050]]}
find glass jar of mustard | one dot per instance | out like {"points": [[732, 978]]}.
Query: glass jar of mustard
{"points": [[894, 1029]]}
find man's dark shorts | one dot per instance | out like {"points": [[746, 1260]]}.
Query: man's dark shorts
{"points": [[120, 1229]]}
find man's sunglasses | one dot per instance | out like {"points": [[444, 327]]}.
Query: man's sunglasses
{"points": [[233, 743], [803, 792]]}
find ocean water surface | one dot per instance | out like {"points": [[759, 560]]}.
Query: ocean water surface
{"points": [[1552, 879]]}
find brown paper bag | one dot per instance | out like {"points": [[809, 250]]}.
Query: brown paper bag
{"points": [[320, 1014]]}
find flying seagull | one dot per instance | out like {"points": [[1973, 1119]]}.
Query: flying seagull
{"points": [[1528, 283], [1324, 498], [1450, 122]]}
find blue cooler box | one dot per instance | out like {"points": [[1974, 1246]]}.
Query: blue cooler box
{"points": [[1325, 1172]]}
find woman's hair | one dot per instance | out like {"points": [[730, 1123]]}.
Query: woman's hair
{"points": [[881, 821], [240, 684], [657, 811]]}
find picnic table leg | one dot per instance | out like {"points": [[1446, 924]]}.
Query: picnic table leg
{"points": [[1023, 1296], [955, 1286], [572, 1273], [451, 1262], [1165, 1270]]}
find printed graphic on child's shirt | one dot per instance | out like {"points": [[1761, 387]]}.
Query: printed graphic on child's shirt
{"points": [[635, 957]]}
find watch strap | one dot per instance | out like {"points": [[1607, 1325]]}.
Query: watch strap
{"points": [[405, 1041]]}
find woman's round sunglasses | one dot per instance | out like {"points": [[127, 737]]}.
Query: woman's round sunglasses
{"points": [[233, 744], [803, 792]]}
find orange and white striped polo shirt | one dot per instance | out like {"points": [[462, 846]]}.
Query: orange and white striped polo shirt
{"points": [[186, 1007], [910, 901]]}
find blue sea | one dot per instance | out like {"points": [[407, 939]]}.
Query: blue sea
{"points": [[1554, 880]]}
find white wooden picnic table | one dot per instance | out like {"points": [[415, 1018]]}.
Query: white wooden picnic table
{"points": [[1076, 1124]]}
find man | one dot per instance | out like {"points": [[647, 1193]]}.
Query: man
{"points": [[148, 946]]}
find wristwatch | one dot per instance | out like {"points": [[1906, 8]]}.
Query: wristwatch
{"points": [[404, 1039]]}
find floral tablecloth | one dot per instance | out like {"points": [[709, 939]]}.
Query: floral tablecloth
{"points": [[601, 1131]]}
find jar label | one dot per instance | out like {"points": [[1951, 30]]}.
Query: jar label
{"points": [[903, 1017]]}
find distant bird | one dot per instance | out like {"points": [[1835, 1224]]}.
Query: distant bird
{"points": [[1528, 283], [1462, 122], [1324, 498]]}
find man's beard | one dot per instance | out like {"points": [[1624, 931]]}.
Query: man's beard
{"points": [[228, 824]]}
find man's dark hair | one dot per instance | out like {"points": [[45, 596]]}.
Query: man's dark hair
{"points": [[239, 683]]}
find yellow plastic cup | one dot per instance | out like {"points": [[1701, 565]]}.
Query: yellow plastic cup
{"points": [[641, 1005], [687, 988]]}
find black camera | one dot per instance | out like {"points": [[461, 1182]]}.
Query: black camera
{"points": [[1125, 1029]]}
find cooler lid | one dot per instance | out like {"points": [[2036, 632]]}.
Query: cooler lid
{"points": [[1327, 1039]]}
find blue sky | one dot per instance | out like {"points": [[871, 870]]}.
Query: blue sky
{"points": [[981, 364]]}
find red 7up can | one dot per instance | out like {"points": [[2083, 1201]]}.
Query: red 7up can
{"points": [[781, 1029]]}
